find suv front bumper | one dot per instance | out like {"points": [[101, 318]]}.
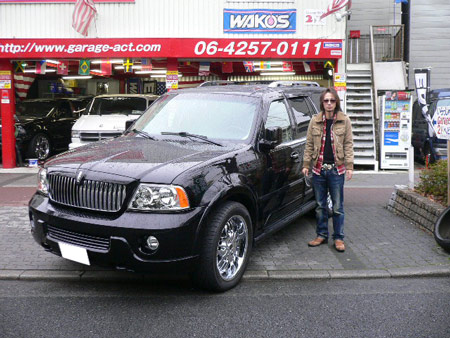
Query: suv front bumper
{"points": [[118, 241]]}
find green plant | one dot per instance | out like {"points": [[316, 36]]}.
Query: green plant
{"points": [[433, 182]]}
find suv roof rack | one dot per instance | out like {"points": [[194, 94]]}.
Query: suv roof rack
{"points": [[272, 84], [293, 84]]}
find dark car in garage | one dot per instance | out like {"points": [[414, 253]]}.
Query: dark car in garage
{"points": [[43, 126], [193, 183]]}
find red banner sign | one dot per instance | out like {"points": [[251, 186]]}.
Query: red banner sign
{"points": [[174, 48]]}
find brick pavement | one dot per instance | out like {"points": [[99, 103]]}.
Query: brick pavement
{"points": [[379, 244]]}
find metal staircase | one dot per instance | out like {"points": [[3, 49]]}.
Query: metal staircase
{"points": [[359, 108]]}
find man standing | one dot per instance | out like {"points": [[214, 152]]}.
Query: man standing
{"points": [[329, 150]]}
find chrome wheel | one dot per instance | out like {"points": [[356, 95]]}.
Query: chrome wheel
{"points": [[232, 247], [41, 147]]}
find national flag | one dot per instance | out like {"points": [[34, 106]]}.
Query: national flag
{"points": [[146, 64], [204, 68], [249, 66], [309, 67], [83, 14], [106, 67], [41, 66], [288, 66], [335, 6], [127, 66], [22, 83], [18, 66], [264, 65], [63, 68], [85, 67], [227, 67]]}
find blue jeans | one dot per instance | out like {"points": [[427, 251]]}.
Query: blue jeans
{"points": [[329, 180]]}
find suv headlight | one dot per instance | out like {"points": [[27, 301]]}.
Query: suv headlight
{"points": [[152, 197], [75, 134], [42, 181]]}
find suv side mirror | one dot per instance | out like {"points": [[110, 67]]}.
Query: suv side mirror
{"points": [[273, 136]]}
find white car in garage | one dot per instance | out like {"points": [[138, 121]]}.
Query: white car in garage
{"points": [[106, 116]]}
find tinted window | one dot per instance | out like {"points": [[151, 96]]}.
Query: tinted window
{"points": [[64, 110], [279, 117], [34, 108], [212, 115], [302, 114], [118, 105]]}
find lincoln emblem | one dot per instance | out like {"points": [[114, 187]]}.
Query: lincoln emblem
{"points": [[79, 177]]}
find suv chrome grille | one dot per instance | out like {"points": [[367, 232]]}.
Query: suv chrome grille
{"points": [[96, 136], [88, 194], [85, 241]]}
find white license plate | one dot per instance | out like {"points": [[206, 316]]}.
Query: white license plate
{"points": [[74, 253]]}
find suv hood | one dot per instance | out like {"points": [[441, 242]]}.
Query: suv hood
{"points": [[136, 158], [102, 122]]}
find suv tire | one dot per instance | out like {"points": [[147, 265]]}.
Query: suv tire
{"points": [[225, 249]]}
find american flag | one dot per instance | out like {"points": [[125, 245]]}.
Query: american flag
{"points": [[83, 14], [22, 83], [335, 6]]}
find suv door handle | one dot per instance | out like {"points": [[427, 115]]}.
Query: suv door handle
{"points": [[294, 156]]}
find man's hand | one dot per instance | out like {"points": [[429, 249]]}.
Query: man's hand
{"points": [[349, 174], [305, 171]]}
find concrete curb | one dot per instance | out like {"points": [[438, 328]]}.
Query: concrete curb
{"points": [[118, 276]]}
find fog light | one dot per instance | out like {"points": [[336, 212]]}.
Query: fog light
{"points": [[152, 243]]}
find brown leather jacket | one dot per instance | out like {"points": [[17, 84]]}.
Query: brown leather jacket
{"points": [[343, 141]]}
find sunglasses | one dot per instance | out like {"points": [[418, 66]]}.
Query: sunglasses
{"points": [[329, 101]]}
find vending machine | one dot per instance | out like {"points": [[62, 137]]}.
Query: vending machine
{"points": [[396, 119]]}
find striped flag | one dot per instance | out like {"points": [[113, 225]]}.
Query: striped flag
{"points": [[83, 14], [41, 67], [22, 83], [335, 6]]}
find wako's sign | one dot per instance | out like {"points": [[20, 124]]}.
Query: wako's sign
{"points": [[275, 21]]}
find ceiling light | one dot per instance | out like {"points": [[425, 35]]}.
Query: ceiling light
{"points": [[277, 74], [115, 61], [163, 75], [77, 77], [53, 61]]}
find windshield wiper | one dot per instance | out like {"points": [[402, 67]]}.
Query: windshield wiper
{"points": [[144, 134], [186, 134]]}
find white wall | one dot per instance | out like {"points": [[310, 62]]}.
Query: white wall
{"points": [[153, 18], [430, 41]]}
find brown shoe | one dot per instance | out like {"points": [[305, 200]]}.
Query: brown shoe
{"points": [[318, 241], [339, 245]]}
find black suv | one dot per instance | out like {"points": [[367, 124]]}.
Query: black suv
{"points": [[194, 182]]}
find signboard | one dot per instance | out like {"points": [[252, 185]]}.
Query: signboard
{"points": [[172, 47], [441, 122], [396, 120], [312, 17], [260, 21], [5, 97], [172, 80]]}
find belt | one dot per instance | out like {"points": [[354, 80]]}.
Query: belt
{"points": [[326, 166]]}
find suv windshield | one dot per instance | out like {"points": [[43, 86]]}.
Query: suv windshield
{"points": [[216, 116], [34, 108], [118, 105]]}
